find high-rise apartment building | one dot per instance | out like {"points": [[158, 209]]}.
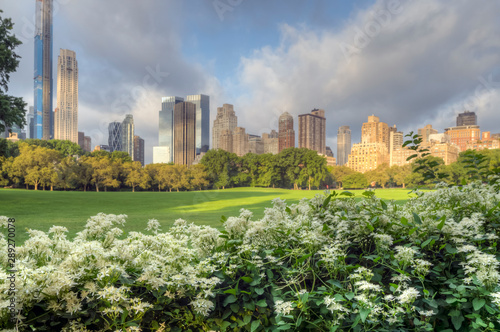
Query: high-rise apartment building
{"points": [[139, 149], [463, 135], [66, 114], [115, 136], [467, 119], [255, 144], [312, 131], [367, 156], [184, 133], [425, 132], [343, 145], [286, 132], [226, 119], [271, 142], [202, 103], [127, 135], [395, 143], [166, 125], [240, 142], [375, 131], [44, 117]]}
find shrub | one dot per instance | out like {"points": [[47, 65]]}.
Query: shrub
{"points": [[325, 264]]}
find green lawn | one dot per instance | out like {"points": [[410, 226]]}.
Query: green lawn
{"points": [[42, 209]]}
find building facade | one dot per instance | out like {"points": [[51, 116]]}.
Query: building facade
{"points": [[375, 131], [271, 142], [43, 114], [202, 103], [184, 133], [139, 149], [161, 154], [425, 132], [240, 141], [343, 145], [312, 131], [115, 136], [166, 124], [255, 144], [66, 113], [467, 119], [286, 132], [367, 156], [463, 135], [127, 135], [226, 119]]}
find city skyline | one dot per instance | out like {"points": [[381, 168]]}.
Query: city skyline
{"points": [[338, 63]]}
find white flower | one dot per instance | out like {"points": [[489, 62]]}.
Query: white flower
{"points": [[405, 254], [202, 306], [408, 296], [283, 308], [154, 226]]}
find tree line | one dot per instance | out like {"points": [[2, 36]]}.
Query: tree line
{"points": [[63, 165]]}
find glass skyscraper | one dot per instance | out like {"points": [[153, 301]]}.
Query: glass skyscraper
{"points": [[44, 116], [202, 103], [166, 129]]}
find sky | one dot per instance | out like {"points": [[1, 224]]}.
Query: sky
{"points": [[409, 62]]}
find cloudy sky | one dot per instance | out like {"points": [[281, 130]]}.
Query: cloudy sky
{"points": [[409, 62]]}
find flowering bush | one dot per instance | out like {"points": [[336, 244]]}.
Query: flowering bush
{"points": [[325, 264]]}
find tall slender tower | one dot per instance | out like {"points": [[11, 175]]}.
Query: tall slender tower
{"points": [[286, 133], [343, 145], [184, 133], [127, 135], [202, 103], [44, 117], [166, 129], [66, 114]]}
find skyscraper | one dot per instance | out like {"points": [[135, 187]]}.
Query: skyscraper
{"points": [[286, 133], [66, 114], [202, 103], [139, 149], [312, 131], [127, 135], [166, 129], [343, 144], [375, 131], [44, 117], [184, 133], [115, 136], [425, 132], [30, 130], [467, 119], [226, 119]]}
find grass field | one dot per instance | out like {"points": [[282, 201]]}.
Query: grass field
{"points": [[42, 209]]}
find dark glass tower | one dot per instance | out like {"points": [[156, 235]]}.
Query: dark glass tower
{"points": [[166, 123]]}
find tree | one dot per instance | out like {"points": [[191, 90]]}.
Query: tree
{"points": [[379, 175], [198, 176], [136, 175], [104, 173], [12, 109], [84, 172], [355, 180], [339, 173], [270, 171], [36, 165]]}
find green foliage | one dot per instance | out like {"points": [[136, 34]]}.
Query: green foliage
{"points": [[12, 109], [355, 180], [325, 264]]}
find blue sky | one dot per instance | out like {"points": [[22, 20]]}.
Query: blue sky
{"points": [[409, 62]]}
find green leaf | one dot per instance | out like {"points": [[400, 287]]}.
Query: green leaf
{"points": [[450, 249], [284, 327], [230, 299], [327, 200], [259, 291], [384, 205], [417, 218], [349, 295], [412, 230], [364, 312], [230, 291], [441, 224], [247, 319], [404, 221], [426, 242], [370, 227], [489, 309], [223, 219], [457, 321], [235, 307], [255, 325], [247, 279], [478, 303], [262, 303]]}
